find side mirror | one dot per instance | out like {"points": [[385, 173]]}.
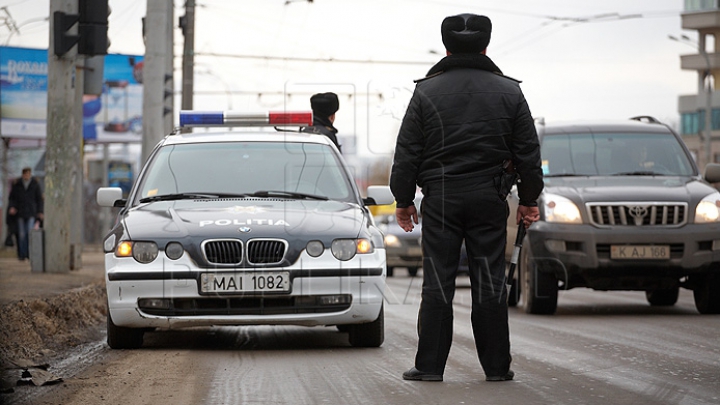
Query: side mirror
{"points": [[110, 197], [712, 173], [379, 195]]}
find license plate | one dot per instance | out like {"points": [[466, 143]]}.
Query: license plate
{"points": [[245, 282], [639, 252]]}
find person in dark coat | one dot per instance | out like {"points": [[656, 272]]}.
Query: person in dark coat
{"points": [[324, 106], [25, 204], [465, 122]]}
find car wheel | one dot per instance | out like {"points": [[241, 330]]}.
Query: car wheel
{"points": [[412, 271], [664, 297], [119, 337], [707, 295], [390, 271], [540, 287], [370, 334]]}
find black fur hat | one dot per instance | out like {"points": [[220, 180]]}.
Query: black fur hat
{"points": [[324, 104], [466, 33]]}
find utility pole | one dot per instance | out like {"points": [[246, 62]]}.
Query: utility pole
{"points": [[159, 16], [187, 23], [63, 148]]}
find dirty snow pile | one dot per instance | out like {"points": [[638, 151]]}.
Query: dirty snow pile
{"points": [[43, 328]]}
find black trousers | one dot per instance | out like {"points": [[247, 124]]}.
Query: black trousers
{"points": [[479, 218]]}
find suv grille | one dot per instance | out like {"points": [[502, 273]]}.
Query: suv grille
{"points": [[265, 251], [223, 251], [638, 214]]}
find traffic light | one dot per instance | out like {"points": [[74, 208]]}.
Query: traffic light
{"points": [[92, 36], [93, 27]]}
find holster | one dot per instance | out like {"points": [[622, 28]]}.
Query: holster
{"points": [[508, 177]]}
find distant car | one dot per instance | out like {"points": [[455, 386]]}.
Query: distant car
{"points": [[244, 228], [404, 249], [624, 208]]}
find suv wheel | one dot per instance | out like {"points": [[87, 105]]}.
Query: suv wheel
{"points": [[666, 297], [707, 294], [123, 338], [412, 271], [390, 271], [540, 288], [370, 334]]}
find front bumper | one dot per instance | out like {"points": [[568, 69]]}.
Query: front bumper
{"points": [[355, 291], [579, 255]]}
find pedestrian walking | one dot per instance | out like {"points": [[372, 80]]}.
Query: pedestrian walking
{"points": [[465, 125], [324, 106], [25, 204]]}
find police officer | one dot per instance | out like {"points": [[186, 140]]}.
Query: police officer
{"points": [[464, 123], [324, 106]]}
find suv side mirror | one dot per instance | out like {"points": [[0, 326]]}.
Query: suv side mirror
{"points": [[712, 173], [379, 195]]}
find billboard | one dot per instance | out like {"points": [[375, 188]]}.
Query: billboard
{"points": [[113, 116]]}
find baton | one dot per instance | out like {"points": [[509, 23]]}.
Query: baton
{"points": [[516, 254]]}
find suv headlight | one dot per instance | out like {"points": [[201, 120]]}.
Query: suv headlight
{"points": [[708, 209], [560, 209], [392, 240]]}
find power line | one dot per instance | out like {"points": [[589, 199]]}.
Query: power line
{"points": [[301, 59]]}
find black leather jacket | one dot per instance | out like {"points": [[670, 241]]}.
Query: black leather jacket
{"points": [[463, 121]]}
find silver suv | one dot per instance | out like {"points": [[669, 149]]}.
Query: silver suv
{"points": [[624, 208]]}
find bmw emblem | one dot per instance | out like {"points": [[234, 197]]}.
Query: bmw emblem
{"points": [[244, 229]]}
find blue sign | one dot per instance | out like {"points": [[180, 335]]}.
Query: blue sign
{"points": [[113, 116]]}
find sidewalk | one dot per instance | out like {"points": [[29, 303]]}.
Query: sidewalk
{"points": [[18, 282]]}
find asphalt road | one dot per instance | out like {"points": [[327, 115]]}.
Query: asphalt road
{"points": [[600, 348]]}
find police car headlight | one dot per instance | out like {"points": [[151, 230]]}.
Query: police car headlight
{"points": [[346, 249], [392, 241], [174, 250], [708, 210], [560, 209], [315, 248], [143, 252]]}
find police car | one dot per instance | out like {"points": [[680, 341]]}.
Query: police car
{"points": [[244, 228]]}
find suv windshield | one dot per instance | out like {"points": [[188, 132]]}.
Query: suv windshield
{"points": [[245, 168], [608, 154]]}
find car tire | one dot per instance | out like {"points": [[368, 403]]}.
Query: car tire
{"points": [[119, 337], [540, 287], [390, 271], [412, 271], [663, 297], [370, 334], [707, 294]]}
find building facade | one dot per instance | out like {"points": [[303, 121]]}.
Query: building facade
{"points": [[702, 16]]}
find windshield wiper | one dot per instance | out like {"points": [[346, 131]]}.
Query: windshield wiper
{"points": [[286, 194], [639, 173], [186, 196]]}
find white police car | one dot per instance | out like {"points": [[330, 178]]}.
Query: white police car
{"points": [[244, 228]]}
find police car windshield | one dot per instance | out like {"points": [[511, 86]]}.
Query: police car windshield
{"points": [[614, 154], [285, 170]]}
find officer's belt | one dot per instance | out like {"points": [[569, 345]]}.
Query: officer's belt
{"points": [[450, 186]]}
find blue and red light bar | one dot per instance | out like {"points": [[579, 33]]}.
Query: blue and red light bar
{"points": [[193, 118]]}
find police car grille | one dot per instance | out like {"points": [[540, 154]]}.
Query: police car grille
{"points": [[265, 251], [638, 214], [223, 251]]}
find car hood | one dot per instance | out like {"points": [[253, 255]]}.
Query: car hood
{"points": [[243, 219], [628, 188]]}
